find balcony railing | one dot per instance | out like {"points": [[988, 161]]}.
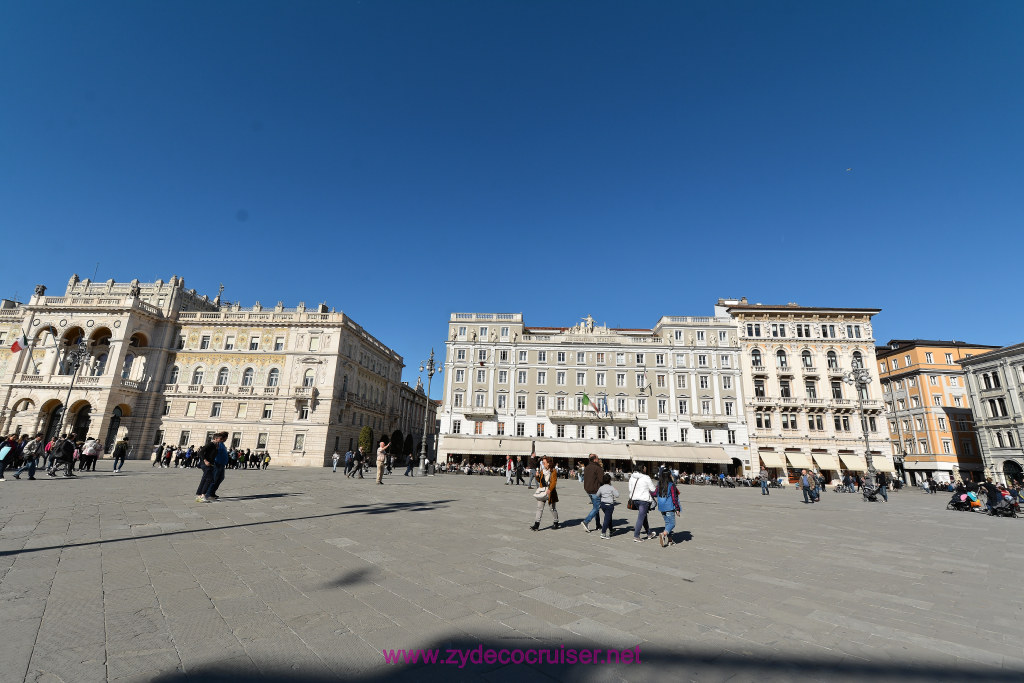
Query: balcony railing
{"points": [[589, 416], [479, 411]]}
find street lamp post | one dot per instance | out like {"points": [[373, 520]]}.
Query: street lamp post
{"points": [[429, 366], [75, 358], [860, 378]]}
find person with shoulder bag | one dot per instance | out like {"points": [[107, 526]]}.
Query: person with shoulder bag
{"points": [[667, 498], [547, 477], [640, 489]]}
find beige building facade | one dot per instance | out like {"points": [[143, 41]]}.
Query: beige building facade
{"points": [[166, 365], [670, 393], [800, 411]]}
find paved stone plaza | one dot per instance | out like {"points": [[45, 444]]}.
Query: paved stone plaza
{"points": [[302, 574]]}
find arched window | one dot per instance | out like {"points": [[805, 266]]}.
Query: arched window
{"points": [[273, 377], [780, 356], [805, 357], [173, 378], [247, 377], [833, 361], [307, 379], [126, 370], [222, 377], [100, 365], [755, 358], [197, 376], [858, 360]]}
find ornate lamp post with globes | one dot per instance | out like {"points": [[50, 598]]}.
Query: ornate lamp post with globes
{"points": [[429, 366], [860, 378]]}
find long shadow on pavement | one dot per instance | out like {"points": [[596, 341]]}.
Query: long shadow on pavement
{"points": [[368, 509]]}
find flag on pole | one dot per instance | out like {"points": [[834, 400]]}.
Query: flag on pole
{"points": [[588, 402], [20, 342]]}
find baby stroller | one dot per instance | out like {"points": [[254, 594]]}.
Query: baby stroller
{"points": [[1003, 508], [870, 493], [960, 502]]}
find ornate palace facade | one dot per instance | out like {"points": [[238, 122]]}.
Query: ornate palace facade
{"points": [[162, 364]]}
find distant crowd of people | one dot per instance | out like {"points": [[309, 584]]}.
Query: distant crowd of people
{"points": [[168, 456], [60, 455]]}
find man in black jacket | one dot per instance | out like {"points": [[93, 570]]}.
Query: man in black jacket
{"points": [[593, 476], [65, 453], [357, 464]]}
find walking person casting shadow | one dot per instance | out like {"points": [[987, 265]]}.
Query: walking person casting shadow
{"points": [[547, 477]]}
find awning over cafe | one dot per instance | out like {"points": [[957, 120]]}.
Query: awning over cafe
{"points": [[663, 452], [771, 459], [855, 463], [477, 445], [826, 461], [798, 460]]}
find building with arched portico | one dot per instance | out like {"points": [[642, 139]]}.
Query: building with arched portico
{"points": [[160, 363]]}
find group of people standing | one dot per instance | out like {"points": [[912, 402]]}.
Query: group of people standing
{"points": [[63, 454], [355, 461], [644, 496], [238, 459]]}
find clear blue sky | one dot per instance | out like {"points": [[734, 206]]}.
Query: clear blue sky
{"points": [[403, 160]]}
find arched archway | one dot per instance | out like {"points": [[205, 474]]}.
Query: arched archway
{"points": [[138, 340], [1012, 471], [114, 427], [736, 468], [81, 418], [54, 411]]}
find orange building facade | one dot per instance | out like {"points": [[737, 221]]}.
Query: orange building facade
{"points": [[931, 427]]}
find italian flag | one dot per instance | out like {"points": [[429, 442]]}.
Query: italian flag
{"points": [[588, 402], [20, 342]]}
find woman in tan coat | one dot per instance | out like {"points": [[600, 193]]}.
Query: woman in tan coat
{"points": [[547, 477]]}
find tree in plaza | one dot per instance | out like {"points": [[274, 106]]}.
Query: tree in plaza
{"points": [[396, 443], [407, 448], [366, 440]]}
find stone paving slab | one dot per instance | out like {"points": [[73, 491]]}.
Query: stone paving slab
{"points": [[299, 574]]}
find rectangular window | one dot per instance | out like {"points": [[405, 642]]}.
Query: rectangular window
{"points": [[460, 375], [949, 359], [728, 408], [581, 358], [268, 411], [460, 354], [659, 359], [705, 407], [542, 377], [828, 331], [726, 361], [521, 377], [560, 378], [958, 402], [480, 400], [483, 333], [620, 379], [600, 379], [540, 430], [542, 356], [660, 381], [229, 342], [501, 429], [520, 429], [521, 402], [620, 359], [254, 343], [732, 436], [723, 336], [503, 356], [942, 423], [279, 343], [241, 410], [763, 420], [641, 406], [501, 401], [481, 355], [599, 357], [184, 438], [662, 433], [784, 388], [705, 381], [478, 427], [215, 409], [457, 401], [204, 342], [662, 406], [560, 431], [727, 382], [683, 406], [702, 360], [481, 376], [753, 330], [456, 426], [707, 435], [304, 411], [504, 333], [837, 389], [167, 407], [190, 409], [700, 335], [561, 356], [811, 388], [581, 379], [502, 376], [929, 357], [680, 381], [541, 402], [643, 434], [462, 331], [300, 441], [639, 359], [522, 356], [759, 388]]}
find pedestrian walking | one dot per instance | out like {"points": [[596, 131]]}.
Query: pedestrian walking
{"points": [[335, 458], [217, 454], [30, 453], [120, 453], [382, 456], [519, 470], [532, 469], [763, 476], [348, 461], [640, 489], [593, 479], [608, 497], [206, 456], [8, 448], [266, 460], [546, 494], [357, 463], [667, 498], [883, 486], [410, 465], [509, 469], [806, 486]]}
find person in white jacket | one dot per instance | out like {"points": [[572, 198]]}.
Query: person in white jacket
{"points": [[640, 489]]}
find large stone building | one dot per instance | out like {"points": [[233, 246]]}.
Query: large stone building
{"points": [[931, 427], [670, 393], [163, 364], [995, 388], [800, 412]]}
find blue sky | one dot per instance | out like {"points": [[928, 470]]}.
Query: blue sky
{"points": [[403, 160]]}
